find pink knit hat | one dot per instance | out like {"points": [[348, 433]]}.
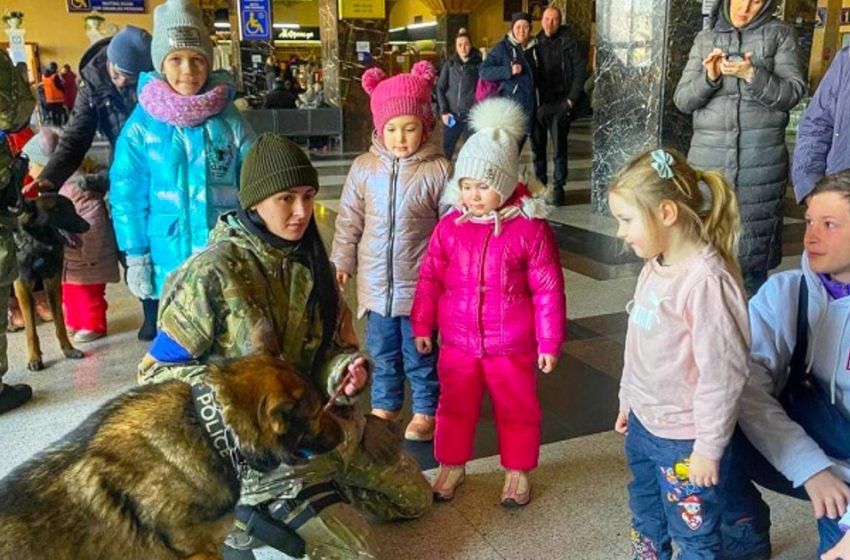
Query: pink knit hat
{"points": [[403, 94]]}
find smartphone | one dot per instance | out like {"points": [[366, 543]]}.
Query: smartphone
{"points": [[734, 57]]}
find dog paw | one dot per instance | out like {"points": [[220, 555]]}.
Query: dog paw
{"points": [[74, 354], [35, 365]]}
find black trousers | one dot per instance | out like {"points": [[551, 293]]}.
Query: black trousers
{"points": [[551, 121]]}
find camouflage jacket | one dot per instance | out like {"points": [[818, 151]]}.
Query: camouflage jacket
{"points": [[242, 296], [16, 106]]}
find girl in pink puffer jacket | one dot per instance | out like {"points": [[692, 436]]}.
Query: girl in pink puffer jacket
{"points": [[491, 284]]}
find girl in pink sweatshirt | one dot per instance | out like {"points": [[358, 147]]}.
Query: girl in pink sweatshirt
{"points": [[687, 350], [491, 283]]}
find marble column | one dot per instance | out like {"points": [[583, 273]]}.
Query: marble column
{"points": [[641, 50], [342, 67]]}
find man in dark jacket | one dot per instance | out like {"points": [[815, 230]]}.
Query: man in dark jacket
{"points": [[106, 97], [456, 90], [559, 76]]}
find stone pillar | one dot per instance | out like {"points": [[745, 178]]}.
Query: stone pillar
{"points": [[640, 55], [447, 27], [342, 67]]}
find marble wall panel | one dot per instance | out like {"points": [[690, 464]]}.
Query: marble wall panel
{"points": [[642, 47]]}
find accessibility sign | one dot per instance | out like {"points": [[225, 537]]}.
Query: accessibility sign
{"points": [[255, 20]]}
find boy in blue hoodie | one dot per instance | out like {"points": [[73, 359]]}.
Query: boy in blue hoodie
{"points": [[795, 409]]}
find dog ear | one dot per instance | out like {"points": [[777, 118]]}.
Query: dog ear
{"points": [[274, 412]]}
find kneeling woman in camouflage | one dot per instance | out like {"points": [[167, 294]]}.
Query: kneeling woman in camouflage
{"points": [[264, 284]]}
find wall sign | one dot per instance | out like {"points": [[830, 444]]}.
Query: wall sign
{"points": [[255, 21], [362, 9]]}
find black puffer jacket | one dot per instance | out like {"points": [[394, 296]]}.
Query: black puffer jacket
{"points": [[456, 85], [561, 67], [739, 127], [100, 106]]}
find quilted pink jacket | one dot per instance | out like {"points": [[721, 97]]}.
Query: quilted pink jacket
{"points": [[493, 294]]}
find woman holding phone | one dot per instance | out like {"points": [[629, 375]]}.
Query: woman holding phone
{"points": [[742, 78]]}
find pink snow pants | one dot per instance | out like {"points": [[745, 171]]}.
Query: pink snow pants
{"points": [[512, 383]]}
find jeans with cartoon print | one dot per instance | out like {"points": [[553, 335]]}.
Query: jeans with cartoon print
{"points": [[665, 505]]}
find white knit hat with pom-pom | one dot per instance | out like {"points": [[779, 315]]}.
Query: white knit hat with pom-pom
{"points": [[491, 155]]}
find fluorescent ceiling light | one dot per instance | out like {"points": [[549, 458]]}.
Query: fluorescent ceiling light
{"points": [[221, 25], [421, 25], [286, 26], [394, 29]]}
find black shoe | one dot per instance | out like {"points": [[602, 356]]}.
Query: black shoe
{"points": [[150, 307], [13, 396]]}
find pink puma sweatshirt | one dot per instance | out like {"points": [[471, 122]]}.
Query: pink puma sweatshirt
{"points": [[687, 351]]}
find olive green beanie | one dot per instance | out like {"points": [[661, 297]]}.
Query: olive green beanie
{"points": [[274, 164]]}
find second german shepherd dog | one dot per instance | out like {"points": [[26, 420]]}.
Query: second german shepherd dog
{"points": [[45, 226], [149, 477]]}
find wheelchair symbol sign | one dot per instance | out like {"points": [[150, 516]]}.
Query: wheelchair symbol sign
{"points": [[79, 5], [255, 20]]}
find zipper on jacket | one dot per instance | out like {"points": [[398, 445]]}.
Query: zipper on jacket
{"points": [[481, 286], [393, 181], [738, 119], [460, 86]]}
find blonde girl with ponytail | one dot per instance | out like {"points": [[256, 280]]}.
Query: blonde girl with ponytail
{"points": [[687, 349]]}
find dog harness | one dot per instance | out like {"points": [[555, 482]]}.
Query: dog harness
{"points": [[274, 523]]}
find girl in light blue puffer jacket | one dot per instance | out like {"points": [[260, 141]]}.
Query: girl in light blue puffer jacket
{"points": [[177, 161]]}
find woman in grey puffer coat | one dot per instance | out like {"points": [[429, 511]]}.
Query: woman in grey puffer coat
{"points": [[742, 77]]}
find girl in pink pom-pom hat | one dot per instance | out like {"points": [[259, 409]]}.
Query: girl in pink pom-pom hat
{"points": [[390, 204]]}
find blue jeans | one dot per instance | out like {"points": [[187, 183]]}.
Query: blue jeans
{"points": [[744, 501], [451, 135], [389, 340], [665, 505]]}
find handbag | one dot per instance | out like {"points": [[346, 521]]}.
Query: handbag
{"points": [[806, 401]]}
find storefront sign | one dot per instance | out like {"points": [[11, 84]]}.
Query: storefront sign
{"points": [[300, 34], [362, 9], [119, 6], [112, 6], [255, 21]]}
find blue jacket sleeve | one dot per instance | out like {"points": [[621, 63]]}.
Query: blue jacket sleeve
{"points": [[497, 66], [816, 128], [129, 189]]}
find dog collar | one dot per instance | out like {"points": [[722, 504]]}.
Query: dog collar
{"points": [[218, 433]]}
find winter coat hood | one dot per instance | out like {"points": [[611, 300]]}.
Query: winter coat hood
{"points": [[720, 21]]}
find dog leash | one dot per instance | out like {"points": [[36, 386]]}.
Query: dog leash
{"points": [[338, 391]]}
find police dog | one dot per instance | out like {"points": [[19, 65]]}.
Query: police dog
{"points": [[46, 226], [153, 474]]}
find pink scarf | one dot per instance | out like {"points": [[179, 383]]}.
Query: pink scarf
{"points": [[165, 104]]}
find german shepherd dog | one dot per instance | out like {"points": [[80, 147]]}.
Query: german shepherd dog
{"points": [[151, 475], [45, 226]]}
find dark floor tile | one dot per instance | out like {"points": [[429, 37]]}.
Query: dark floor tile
{"points": [[592, 268], [602, 354], [597, 246], [422, 452], [588, 399], [605, 324], [577, 331]]}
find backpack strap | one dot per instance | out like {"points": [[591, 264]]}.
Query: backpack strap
{"points": [[798, 358]]}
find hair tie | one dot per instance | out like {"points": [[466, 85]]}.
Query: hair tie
{"points": [[661, 162]]}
